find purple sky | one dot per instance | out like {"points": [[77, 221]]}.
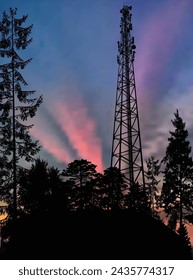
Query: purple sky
{"points": [[74, 67]]}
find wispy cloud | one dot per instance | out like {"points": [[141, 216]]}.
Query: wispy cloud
{"points": [[156, 73], [47, 136], [72, 116], [157, 42]]}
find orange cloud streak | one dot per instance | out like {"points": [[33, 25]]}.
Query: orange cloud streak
{"points": [[80, 129]]}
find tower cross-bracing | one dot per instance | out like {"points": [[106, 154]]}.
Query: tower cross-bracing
{"points": [[126, 146]]}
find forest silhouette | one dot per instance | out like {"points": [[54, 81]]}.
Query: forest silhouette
{"points": [[78, 213], [85, 217]]}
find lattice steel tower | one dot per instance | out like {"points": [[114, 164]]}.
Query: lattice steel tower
{"points": [[126, 145]]}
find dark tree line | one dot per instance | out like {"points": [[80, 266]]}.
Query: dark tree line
{"points": [[76, 188]]}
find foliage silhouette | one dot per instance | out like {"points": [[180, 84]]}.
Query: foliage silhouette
{"points": [[81, 175], [52, 224], [115, 187], [16, 105], [137, 198], [34, 187], [41, 189], [182, 231], [153, 171], [177, 190]]}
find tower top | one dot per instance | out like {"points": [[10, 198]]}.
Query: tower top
{"points": [[125, 9], [126, 3]]}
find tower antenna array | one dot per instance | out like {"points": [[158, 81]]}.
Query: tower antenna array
{"points": [[126, 145]]}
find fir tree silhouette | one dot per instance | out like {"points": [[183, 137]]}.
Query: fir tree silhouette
{"points": [[16, 105], [177, 191]]}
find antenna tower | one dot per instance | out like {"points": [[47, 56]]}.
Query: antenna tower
{"points": [[126, 146]]}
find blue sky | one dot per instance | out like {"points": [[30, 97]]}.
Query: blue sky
{"points": [[74, 67]]}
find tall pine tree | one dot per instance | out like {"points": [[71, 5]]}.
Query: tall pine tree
{"points": [[177, 191], [16, 105], [81, 174]]}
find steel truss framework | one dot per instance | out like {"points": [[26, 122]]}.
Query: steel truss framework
{"points": [[126, 145]]}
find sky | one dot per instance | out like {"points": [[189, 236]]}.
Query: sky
{"points": [[74, 68]]}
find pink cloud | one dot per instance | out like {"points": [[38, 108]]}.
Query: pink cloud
{"points": [[80, 128]]}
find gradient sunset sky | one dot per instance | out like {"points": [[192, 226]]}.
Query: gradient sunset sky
{"points": [[74, 67]]}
